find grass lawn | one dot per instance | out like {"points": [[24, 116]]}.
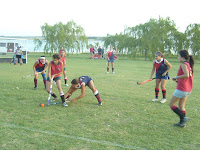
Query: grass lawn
{"points": [[127, 120]]}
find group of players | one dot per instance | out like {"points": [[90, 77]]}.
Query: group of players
{"points": [[184, 81], [55, 68]]}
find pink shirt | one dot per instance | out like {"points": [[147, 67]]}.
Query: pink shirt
{"points": [[55, 69], [185, 84], [63, 60]]}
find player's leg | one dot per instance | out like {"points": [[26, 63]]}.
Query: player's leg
{"points": [[95, 91], [182, 108], [35, 81], [163, 84], [58, 83], [65, 76], [44, 79], [158, 81], [113, 67], [108, 67], [48, 84], [20, 60]]}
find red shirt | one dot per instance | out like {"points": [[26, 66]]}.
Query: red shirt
{"points": [[40, 64], [158, 64], [63, 60], [185, 84], [55, 69], [91, 49]]}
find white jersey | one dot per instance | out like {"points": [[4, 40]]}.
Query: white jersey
{"points": [[18, 52]]}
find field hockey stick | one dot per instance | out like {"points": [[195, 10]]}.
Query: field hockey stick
{"points": [[145, 81], [43, 105], [30, 75], [50, 91]]}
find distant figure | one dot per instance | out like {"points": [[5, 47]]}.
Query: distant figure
{"points": [[92, 52], [102, 52], [40, 66], [111, 59], [63, 59], [99, 52], [60, 51], [18, 54]]}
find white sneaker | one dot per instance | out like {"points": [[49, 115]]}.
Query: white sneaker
{"points": [[113, 72], [64, 104], [66, 85], [107, 72], [155, 99], [163, 100]]}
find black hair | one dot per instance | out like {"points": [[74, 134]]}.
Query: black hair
{"points": [[189, 58], [74, 81], [56, 56], [42, 56]]}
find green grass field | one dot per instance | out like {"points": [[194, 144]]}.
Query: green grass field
{"points": [[127, 120]]}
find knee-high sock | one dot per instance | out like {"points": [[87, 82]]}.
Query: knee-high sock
{"points": [[96, 94], [178, 111], [65, 80], [164, 93], [35, 81], [54, 95], [112, 69], [156, 92], [107, 69], [62, 96]]}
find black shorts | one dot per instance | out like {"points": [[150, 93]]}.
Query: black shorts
{"points": [[18, 56]]}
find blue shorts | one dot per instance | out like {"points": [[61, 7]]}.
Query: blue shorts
{"points": [[39, 69], [111, 60], [181, 94], [162, 77]]}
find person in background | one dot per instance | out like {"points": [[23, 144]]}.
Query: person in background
{"points": [[18, 54], [184, 86], [92, 52], [63, 60], [111, 59], [40, 66], [162, 67], [99, 52]]}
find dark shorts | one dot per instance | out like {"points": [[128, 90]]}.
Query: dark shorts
{"points": [[111, 60], [55, 79], [40, 69], [18, 56], [162, 77]]}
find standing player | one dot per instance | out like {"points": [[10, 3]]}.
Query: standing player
{"points": [[40, 65], [162, 67], [55, 70], [63, 60], [184, 81], [81, 83], [18, 54], [111, 59]]}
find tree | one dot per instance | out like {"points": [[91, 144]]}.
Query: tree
{"points": [[70, 35]]}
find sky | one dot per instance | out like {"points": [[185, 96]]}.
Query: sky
{"points": [[97, 17]]}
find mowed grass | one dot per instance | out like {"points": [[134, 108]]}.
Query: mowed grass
{"points": [[127, 120]]}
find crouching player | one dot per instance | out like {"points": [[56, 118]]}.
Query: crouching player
{"points": [[55, 70], [40, 66], [81, 83]]}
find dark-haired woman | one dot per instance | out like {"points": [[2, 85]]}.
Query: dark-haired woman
{"points": [[184, 81], [55, 70], [81, 83], [162, 67]]}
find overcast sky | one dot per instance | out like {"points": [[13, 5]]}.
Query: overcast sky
{"points": [[97, 17]]}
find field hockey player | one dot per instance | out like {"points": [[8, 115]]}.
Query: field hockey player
{"points": [[184, 87], [81, 83], [63, 59], [40, 66], [162, 67], [55, 70]]}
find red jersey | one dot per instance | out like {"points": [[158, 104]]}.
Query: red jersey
{"points": [[185, 84], [63, 60], [158, 64], [91, 49], [55, 69], [40, 64]]}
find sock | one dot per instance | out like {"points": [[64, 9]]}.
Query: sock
{"points": [[107, 69], [68, 96], [65, 80], [45, 81], [156, 92], [112, 69], [164, 93], [184, 112], [178, 111], [62, 98], [52, 94], [96, 94], [35, 81]]}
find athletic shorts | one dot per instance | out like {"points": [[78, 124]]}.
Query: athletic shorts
{"points": [[39, 69], [162, 77], [18, 56], [111, 60], [55, 79], [181, 94]]}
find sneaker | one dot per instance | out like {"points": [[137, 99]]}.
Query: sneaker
{"points": [[100, 103], [35, 88], [107, 72], [64, 104], [155, 99], [113, 72], [163, 100], [66, 85], [54, 99], [183, 122], [180, 125]]}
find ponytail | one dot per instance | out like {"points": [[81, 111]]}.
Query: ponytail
{"points": [[191, 62]]}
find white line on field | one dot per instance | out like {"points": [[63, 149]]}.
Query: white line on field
{"points": [[71, 137]]}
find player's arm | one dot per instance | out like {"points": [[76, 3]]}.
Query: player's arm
{"points": [[82, 93], [49, 71], [169, 67], [34, 69], [70, 91], [153, 70], [46, 66]]}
